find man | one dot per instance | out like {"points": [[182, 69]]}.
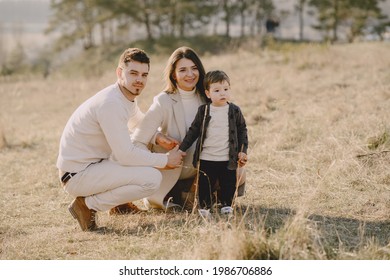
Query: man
{"points": [[97, 162]]}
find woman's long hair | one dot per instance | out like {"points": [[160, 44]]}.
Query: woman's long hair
{"points": [[183, 52]]}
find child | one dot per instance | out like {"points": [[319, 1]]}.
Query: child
{"points": [[222, 143]]}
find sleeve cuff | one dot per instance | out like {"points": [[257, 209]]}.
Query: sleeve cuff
{"points": [[162, 161]]}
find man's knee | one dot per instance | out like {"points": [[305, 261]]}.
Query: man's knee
{"points": [[153, 179]]}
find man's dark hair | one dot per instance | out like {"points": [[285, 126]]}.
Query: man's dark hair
{"points": [[133, 54]]}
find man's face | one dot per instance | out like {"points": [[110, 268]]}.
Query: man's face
{"points": [[133, 78]]}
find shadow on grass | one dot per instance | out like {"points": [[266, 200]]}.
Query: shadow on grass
{"points": [[146, 225], [335, 232]]}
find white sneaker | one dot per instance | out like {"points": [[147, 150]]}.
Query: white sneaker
{"points": [[227, 210], [205, 213]]}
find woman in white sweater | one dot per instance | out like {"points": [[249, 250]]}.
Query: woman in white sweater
{"points": [[173, 111]]}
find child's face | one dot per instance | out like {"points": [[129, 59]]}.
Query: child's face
{"points": [[219, 93]]}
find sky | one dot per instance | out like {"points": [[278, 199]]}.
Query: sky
{"points": [[17, 11]]}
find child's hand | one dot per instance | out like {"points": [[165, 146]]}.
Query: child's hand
{"points": [[242, 159]]}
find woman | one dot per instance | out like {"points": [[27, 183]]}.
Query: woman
{"points": [[172, 112]]}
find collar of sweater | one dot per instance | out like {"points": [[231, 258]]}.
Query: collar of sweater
{"points": [[186, 94], [219, 108]]}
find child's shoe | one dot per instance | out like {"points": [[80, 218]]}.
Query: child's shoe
{"points": [[205, 213], [227, 210]]}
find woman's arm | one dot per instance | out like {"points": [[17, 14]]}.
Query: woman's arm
{"points": [[147, 130]]}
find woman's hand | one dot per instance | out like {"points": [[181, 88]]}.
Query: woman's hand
{"points": [[242, 159], [166, 141]]}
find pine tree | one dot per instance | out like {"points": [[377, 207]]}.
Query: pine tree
{"points": [[330, 15], [355, 15], [75, 20], [300, 8]]}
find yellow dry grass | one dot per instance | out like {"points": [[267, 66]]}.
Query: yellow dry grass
{"points": [[318, 184]]}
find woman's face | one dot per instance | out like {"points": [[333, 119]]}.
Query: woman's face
{"points": [[186, 74]]}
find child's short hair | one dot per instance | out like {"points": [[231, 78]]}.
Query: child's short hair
{"points": [[216, 76]]}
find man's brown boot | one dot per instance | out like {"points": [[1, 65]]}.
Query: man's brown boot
{"points": [[126, 208], [84, 215]]}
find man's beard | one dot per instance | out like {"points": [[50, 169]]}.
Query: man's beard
{"points": [[135, 92]]}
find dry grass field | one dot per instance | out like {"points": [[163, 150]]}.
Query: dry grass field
{"points": [[318, 184]]}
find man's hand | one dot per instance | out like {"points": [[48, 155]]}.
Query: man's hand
{"points": [[166, 141], [242, 159], [175, 158]]}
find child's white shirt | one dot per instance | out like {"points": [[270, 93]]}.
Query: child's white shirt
{"points": [[216, 143]]}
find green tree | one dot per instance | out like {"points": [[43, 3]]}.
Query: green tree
{"points": [[353, 14], [75, 20], [183, 17], [106, 21], [135, 11], [243, 10], [300, 8], [330, 14], [16, 59], [229, 8], [380, 27], [362, 13], [260, 10]]}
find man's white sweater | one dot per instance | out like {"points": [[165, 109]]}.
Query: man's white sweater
{"points": [[99, 129]]}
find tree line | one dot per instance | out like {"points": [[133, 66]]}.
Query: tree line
{"points": [[98, 22], [207, 23]]}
